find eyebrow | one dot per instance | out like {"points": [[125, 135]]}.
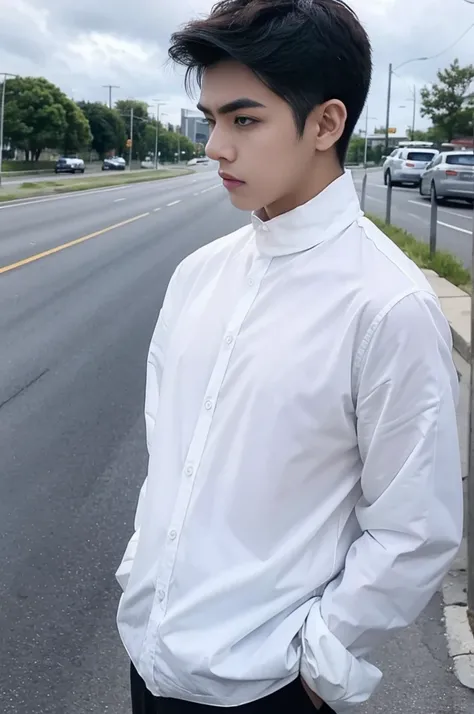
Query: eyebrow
{"points": [[236, 105]]}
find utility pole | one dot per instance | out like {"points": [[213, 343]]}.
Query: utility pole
{"points": [[110, 87], [131, 140], [2, 118]]}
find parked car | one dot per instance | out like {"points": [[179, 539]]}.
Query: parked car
{"points": [[192, 162], [450, 175], [147, 164], [115, 163], [69, 165], [405, 166], [204, 160]]}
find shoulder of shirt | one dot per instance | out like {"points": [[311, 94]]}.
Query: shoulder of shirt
{"points": [[216, 251], [396, 274], [394, 287]]}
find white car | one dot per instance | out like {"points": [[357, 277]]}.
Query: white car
{"points": [[193, 162], [450, 175], [405, 166], [69, 165], [147, 164], [114, 163]]}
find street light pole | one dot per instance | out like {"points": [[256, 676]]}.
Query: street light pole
{"points": [[389, 99], [391, 71], [157, 134], [2, 118], [414, 114]]}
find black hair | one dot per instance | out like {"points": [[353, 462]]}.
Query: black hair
{"points": [[305, 51]]}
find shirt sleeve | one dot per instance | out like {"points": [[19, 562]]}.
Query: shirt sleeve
{"points": [[410, 511], [155, 364]]}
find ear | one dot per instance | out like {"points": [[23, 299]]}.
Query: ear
{"points": [[327, 123]]}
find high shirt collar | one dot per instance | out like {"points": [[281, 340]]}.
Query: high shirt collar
{"points": [[323, 217]]}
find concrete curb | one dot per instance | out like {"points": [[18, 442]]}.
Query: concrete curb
{"points": [[458, 632], [456, 305], [461, 345]]}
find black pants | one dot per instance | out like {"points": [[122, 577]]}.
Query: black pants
{"points": [[292, 699]]}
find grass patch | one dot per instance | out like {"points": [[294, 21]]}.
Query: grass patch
{"points": [[443, 263], [32, 189], [15, 166], [119, 180]]}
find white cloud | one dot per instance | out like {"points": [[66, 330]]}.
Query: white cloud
{"points": [[84, 44]]}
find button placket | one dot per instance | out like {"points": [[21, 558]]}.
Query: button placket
{"points": [[198, 442]]}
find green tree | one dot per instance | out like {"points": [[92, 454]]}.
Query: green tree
{"points": [[38, 115], [107, 127], [444, 103], [35, 115], [355, 153], [78, 133]]}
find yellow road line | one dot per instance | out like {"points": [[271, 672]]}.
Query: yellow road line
{"points": [[59, 248]]}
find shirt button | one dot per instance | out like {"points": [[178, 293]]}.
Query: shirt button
{"points": [[229, 339], [189, 470], [208, 404], [251, 281], [173, 535], [161, 595]]}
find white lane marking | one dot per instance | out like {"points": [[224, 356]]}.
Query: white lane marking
{"points": [[155, 210], [118, 200], [88, 192], [196, 194], [454, 228], [418, 218], [173, 203], [377, 200], [76, 194], [440, 208], [217, 185]]}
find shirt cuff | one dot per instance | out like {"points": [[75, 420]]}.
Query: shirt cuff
{"points": [[330, 670]]}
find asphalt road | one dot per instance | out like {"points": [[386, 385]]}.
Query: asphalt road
{"points": [[75, 327], [412, 212], [17, 179]]}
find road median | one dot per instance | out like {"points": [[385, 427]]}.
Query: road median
{"points": [[31, 189]]}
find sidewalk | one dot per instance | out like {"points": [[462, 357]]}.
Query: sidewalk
{"points": [[456, 305]]}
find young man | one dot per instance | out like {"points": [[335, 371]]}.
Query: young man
{"points": [[303, 499]]}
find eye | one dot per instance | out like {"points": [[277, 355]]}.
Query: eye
{"points": [[211, 123], [244, 121]]}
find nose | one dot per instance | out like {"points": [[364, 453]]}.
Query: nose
{"points": [[220, 147]]}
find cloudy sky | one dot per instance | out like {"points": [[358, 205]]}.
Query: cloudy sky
{"points": [[84, 44]]}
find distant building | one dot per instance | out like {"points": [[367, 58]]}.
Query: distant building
{"points": [[194, 125], [394, 140]]}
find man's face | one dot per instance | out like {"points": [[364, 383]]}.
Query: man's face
{"points": [[254, 138]]}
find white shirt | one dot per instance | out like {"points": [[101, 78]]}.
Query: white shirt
{"points": [[303, 499]]}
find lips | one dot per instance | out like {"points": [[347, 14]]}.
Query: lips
{"points": [[230, 181]]}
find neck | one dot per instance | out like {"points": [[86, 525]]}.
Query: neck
{"points": [[308, 188]]}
